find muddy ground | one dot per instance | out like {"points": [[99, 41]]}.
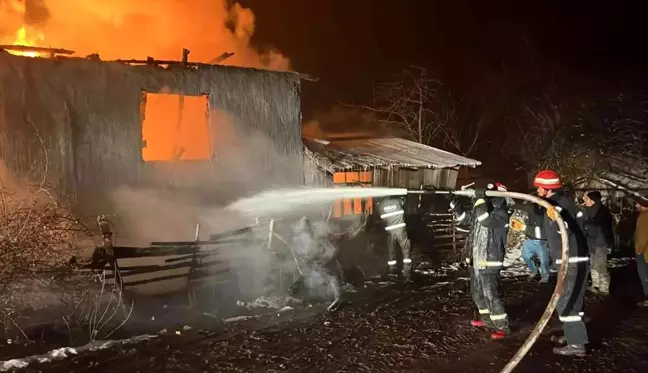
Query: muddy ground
{"points": [[422, 326]]}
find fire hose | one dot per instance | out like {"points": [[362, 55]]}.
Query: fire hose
{"points": [[562, 273]]}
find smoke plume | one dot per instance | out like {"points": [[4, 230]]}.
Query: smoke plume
{"points": [[342, 121], [250, 163], [137, 29]]}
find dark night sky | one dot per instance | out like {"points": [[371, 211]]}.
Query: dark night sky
{"points": [[349, 44]]}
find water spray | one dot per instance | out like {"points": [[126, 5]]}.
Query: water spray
{"points": [[283, 201]]}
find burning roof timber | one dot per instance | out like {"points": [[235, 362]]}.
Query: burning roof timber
{"points": [[344, 154]]}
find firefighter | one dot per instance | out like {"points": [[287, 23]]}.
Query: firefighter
{"points": [[488, 223], [393, 216], [570, 303]]}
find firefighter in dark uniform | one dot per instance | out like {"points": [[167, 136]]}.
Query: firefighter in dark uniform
{"points": [[570, 303], [393, 216], [488, 224]]}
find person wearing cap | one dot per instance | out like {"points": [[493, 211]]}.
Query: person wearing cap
{"points": [[488, 224], [570, 303], [641, 246], [599, 231]]}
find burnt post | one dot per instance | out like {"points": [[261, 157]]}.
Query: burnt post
{"points": [[185, 56], [108, 249], [177, 150]]}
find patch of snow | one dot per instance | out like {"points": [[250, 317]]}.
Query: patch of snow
{"points": [[437, 285], [427, 269], [519, 269], [64, 352], [238, 318], [619, 262], [285, 309]]}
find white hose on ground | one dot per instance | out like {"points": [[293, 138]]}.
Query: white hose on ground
{"points": [[562, 273]]}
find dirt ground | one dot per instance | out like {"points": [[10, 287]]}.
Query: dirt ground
{"points": [[398, 327]]}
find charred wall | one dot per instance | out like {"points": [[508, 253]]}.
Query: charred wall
{"points": [[78, 122]]}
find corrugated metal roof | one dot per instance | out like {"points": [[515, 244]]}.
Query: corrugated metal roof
{"points": [[336, 155]]}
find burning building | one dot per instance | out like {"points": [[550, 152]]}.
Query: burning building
{"points": [[86, 126], [380, 162]]}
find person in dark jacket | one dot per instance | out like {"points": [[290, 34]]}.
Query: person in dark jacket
{"points": [[488, 224], [641, 246], [570, 303], [392, 214], [535, 243], [599, 231]]}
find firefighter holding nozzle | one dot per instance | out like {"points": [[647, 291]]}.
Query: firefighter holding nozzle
{"points": [[393, 216], [488, 223]]}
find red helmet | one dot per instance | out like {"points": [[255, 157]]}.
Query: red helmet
{"points": [[547, 179], [497, 186]]}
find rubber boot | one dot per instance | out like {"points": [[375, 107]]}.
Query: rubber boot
{"points": [[571, 350], [407, 271], [499, 334], [558, 339], [477, 323], [393, 272]]}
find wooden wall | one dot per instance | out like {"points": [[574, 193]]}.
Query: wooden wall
{"points": [[77, 123]]}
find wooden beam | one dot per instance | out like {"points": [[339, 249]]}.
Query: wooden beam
{"points": [[28, 49]]}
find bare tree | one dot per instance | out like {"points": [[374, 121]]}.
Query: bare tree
{"points": [[417, 104], [407, 103], [577, 138], [459, 131]]}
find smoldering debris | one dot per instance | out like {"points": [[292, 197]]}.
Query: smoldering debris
{"points": [[273, 301]]}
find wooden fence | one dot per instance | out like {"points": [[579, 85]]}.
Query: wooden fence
{"points": [[446, 235], [187, 265]]}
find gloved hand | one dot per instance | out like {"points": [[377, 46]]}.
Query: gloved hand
{"points": [[455, 205], [480, 194], [552, 213], [517, 225]]}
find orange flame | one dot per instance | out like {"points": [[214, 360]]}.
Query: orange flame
{"points": [[23, 38], [137, 29], [134, 29]]}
